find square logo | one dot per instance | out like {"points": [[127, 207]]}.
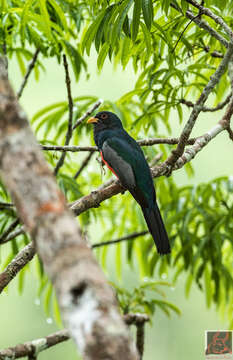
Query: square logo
{"points": [[218, 344]]}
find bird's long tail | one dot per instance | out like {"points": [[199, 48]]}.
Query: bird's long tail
{"points": [[157, 229]]}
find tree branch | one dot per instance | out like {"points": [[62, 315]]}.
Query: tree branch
{"points": [[87, 303], [215, 54], [21, 259], [139, 321], [124, 238], [70, 120], [216, 18], [208, 109], [84, 164], [146, 142], [11, 227], [32, 348], [6, 205], [71, 148], [230, 74], [13, 235], [29, 70], [27, 254], [88, 113], [214, 79], [204, 25], [203, 140]]}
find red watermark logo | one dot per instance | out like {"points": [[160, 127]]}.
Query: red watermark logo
{"points": [[218, 344]]}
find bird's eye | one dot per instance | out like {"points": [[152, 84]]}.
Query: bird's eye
{"points": [[104, 116]]}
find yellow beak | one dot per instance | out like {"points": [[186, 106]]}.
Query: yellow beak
{"points": [[92, 120]]}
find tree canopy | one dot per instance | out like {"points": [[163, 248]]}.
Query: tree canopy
{"points": [[182, 55]]}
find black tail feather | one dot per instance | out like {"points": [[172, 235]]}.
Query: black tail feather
{"points": [[157, 229]]}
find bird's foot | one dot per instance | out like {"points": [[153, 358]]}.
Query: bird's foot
{"points": [[101, 164]]}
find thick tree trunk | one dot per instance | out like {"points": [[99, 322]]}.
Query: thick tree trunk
{"points": [[87, 303]]}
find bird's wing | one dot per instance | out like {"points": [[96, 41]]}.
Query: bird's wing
{"points": [[114, 152]]}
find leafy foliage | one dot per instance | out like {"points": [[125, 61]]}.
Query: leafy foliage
{"points": [[144, 33], [142, 299]]}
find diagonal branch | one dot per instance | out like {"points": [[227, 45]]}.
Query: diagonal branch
{"points": [[204, 25], [27, 254], [29, 70], [203, 140], [13, 235], [11, 227], [88, 113], [32, 348], [70, 120], [213, 16], [214, 79], [84, 164], [21, 259]]}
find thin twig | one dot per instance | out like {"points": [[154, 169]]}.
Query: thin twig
{"points": [[204, 25], [124, 238], [13, 235], [11, 227], [203, 140], [71, 148], [146, 142], [88, 113], [208, 109], [84, 164], [34, 347], [12, 269], [5, 205], [70, 120], [29, 70], [182, 33], [215, 54]]}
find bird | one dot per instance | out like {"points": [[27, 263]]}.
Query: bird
{"points": [[125, 158]]}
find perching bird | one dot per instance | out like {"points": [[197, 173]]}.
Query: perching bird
{"points": [[124, 157]]}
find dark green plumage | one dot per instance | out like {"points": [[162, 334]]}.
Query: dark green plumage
{"points": [[124, 157]]}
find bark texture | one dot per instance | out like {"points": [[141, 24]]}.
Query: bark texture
{"points": [[87, 303]]}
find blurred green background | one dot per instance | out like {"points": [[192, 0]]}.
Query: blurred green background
{"points": [[22, 316]]}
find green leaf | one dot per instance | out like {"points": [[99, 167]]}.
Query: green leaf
{"points": [[91, 32], [60, 13], [44, 19], [24, 17], [136, 18], [147, 10], [124, 8], [102, 55], [208, 288], [188, 284], [147, 38], [47, 298]]}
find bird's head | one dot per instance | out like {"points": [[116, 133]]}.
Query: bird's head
{"points": [[105, 120]]}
